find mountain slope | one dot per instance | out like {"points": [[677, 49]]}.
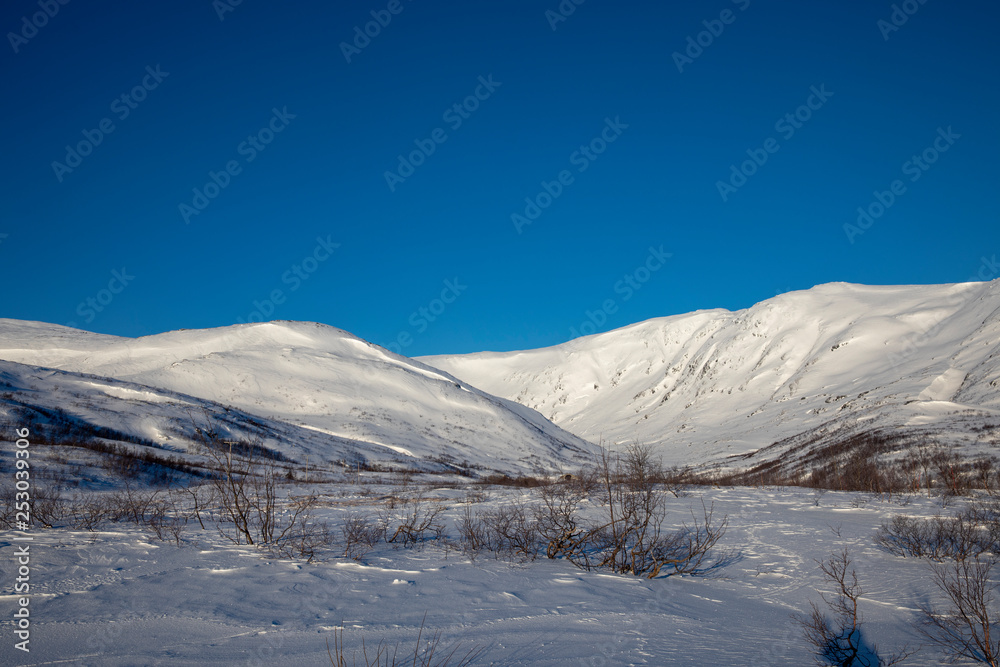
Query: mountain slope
{"points": [[816, 365], [315, 377]]}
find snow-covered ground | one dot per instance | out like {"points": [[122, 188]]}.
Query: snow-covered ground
{"points": [[124, 598]]}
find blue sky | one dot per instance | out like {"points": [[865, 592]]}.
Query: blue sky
{"points": [[664, 183]]}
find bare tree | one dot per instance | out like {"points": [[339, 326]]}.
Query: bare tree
{"points": [[840, 641], [246, 486], [967, 629]]}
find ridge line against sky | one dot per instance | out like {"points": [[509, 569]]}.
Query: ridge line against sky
{"points": [[443, 179]]}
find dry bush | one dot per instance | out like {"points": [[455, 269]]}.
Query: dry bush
{"points": [[518, 481], [90, 511], [476, 495], [168, 519], [473, 537], [136, 506], [678, 480], [297, 533], [153, 509], [361, 533], [631, 538], [418, 523], [692, 549], [203, 498], [246, 491], [557, 522], [48, 508], [426, 653], [968, 628], [840, 641], [511, 531], [940, 538], [246, 488]]}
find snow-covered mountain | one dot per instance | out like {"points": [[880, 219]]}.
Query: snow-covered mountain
{"points": [[312, 390], [813, 367]]}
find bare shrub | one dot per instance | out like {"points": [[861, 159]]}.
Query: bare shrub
{"points": [[968, 628], [7, 511], [631, 539], [556, 520], [426, 653], [472, 534], [511, 531], [418, 523], [48, 508], [90, 511], [202, 498], [677, 480], [298, 534], [361, 533], [167, 520], [519, 481], [137, 506], [246, 488], [691, 550], [970, 534], [840, 641]]}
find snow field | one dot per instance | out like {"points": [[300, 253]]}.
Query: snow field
{"points": [[122, 598]]}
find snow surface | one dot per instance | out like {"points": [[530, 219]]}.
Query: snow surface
{"points": [[715, 383], [120, 598]]}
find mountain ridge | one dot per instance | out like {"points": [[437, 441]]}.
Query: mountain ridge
{"points": [[308, 376], [712, 384]]}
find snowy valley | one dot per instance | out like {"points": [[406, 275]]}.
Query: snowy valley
{"points": [[274, 493]]}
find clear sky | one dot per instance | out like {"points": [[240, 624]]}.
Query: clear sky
{"points": [[486, 175]]}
